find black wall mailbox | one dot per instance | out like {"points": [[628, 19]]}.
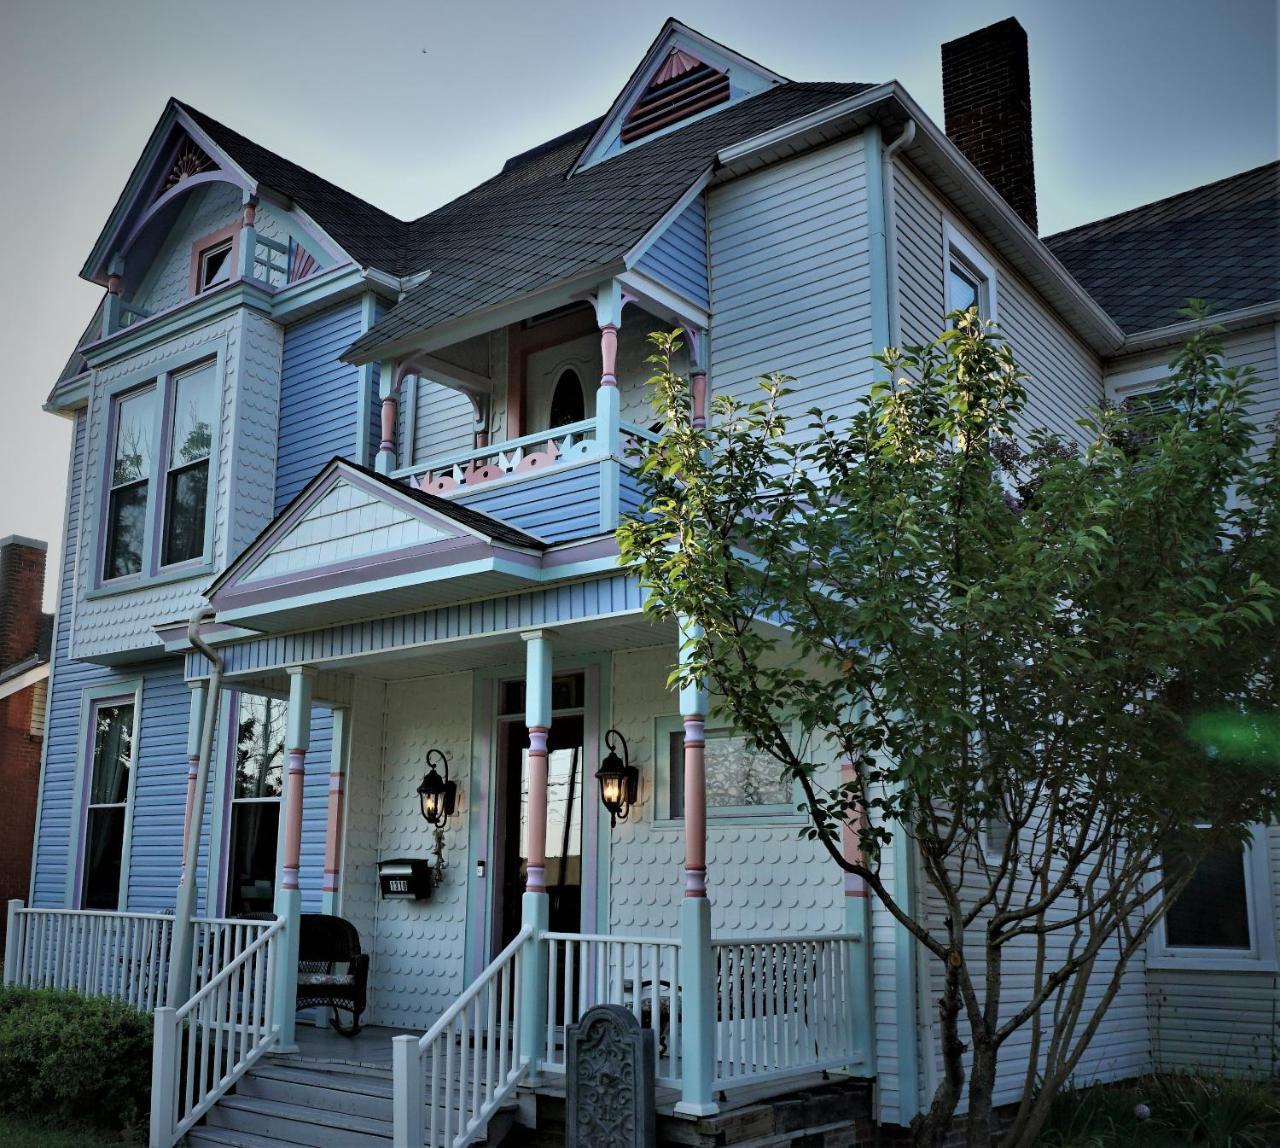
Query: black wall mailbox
{"points": [[405, 879]]}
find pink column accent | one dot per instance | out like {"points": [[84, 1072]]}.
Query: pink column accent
{"points": [[536, 881], [250, 214], [854, 886], [695, 806], [193, 769], [333, 832], [698, 385], [482, 439], [293, 817], [390, 404], [115, 285], [608, 355]]}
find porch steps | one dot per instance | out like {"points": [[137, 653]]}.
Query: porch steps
{"points": [[287, 1103]]}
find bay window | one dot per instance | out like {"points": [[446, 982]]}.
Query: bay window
{"points": [[130, 483], [187, 485]]}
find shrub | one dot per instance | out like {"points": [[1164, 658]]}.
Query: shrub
{"points": [[74, 1059]]}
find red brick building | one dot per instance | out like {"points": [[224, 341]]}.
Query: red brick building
{"points": [[25, 636]]}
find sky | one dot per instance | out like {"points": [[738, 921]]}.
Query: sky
{"points": [[408, 104]]}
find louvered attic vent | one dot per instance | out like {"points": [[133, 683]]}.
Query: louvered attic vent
{"points": [[681, 88]]}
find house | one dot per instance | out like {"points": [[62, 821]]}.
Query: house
{"points": [[25, 639], [339, 556]]}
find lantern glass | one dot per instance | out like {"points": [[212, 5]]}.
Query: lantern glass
{"points": [[618, 780], [436, 794]]}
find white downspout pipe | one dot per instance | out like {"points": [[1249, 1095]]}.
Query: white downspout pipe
{"points": [[180, 957], [904, 139]]}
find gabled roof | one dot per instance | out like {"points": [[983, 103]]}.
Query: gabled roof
{"points": [[1219, 242], [534, 224]]}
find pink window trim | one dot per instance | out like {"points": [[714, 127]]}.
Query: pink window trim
{"points": [[201, 245]]}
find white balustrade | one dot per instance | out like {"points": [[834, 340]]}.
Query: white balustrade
{"points": [[208, 1043], [783, 1006], [472, 1054], [124, 956], [641, 974]]}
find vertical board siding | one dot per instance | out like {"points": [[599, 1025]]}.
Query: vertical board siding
{"points": [[790, 280], [319, 396], [1065, 377], [678, 257], [555, 505], [315, 809]]}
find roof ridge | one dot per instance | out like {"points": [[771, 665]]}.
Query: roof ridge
{"points": [[1185, 193]]}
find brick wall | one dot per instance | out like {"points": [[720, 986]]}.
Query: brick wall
{"points": [[986, 95]]}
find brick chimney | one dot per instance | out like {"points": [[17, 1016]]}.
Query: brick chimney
{"points": [[21, 594], [986, 96]]}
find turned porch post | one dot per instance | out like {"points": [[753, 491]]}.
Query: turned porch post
{"points": [[534, 906], [609, 301], [390, 378], [334, 821], [248, 249], [697, 963], [696, 340], [288, 902]]}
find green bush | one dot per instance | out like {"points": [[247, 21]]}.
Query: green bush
{"points": [[72, 1059]]}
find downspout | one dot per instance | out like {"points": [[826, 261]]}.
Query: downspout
{"points": [[904, 139], [180, 959]]}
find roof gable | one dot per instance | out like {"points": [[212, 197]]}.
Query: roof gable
{"points": [[682, 76]]}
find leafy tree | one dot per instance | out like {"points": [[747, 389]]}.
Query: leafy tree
{"points": [[1051, 662]]}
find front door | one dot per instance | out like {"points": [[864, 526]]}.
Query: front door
{"points": [[564, 809]]}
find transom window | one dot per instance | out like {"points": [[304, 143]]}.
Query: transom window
{"points": [[107, 805], [741, 780], [256, 787], [161, 441], [215, 265]]}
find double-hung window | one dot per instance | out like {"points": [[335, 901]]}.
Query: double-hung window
{"points": [[256, 787], [970, 277], [107, 804], [157, 502]]}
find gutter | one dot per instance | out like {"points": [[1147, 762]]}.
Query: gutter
{"points": [[1176, 332]]}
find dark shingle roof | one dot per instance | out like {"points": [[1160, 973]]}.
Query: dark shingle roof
{"points": [[532, 226], [1219, 242]]}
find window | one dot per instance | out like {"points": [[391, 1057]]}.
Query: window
{"points": [[130, 483], [1216, 921], [568, 402], [256, 787], [741, 780], [970, 277], [995, 836], [187, 485], [107, 805], [215, 265]]}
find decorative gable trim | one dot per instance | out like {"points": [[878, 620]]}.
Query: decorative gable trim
{"points": [[682, 76]]}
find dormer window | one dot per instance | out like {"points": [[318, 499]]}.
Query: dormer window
{"points": [[682, 87], [215, 265]]}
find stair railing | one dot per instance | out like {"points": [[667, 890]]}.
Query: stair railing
{"points": [[206, 1045], [473, 1054]]}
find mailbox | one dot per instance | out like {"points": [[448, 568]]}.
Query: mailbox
{"points": [[405, 879]]}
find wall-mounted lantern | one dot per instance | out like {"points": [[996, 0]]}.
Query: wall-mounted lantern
{"points": [[619, 779], [437, 795]]}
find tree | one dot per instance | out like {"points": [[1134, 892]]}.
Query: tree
{"points": [[1068, 642]]}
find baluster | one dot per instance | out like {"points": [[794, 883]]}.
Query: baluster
{"points": [[553, 957], [491, 1035], [572, 1001], [677, 1008], [448, 1087], [655, 1009]]}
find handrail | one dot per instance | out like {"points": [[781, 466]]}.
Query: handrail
{"points": [[229, 970], [473, 990], [81, 913], [786, 938]]}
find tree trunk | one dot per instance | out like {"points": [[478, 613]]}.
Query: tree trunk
{"points": [[982, 1087], [930, 1130]]}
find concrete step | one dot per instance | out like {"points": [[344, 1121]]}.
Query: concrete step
{"points": [[298, 1124]]}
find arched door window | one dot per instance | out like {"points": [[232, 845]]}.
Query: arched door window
{"points": [[568, 402]]}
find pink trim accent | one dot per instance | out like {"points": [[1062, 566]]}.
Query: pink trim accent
{"points": [[203, 244], [608, 355], [482, 439], [698, 386], [695, 798], [677, 63], [390, 405], [536, 879], [115, 285], [333, 832], [250, 214], [293, 815], [695, 882]]}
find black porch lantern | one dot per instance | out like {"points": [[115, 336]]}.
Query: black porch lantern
{"points": [[619, 779], [437, 795]]}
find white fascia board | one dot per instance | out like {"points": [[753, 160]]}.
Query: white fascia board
{"points": [[1174, 333], [22, 681]]}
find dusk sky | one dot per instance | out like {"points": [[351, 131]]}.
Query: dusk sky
{"points": [[409, 104]]}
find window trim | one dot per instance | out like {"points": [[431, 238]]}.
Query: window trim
{"points": [[165, 468], [162, 375], [1261, 956], [109, 486], [203, 245], [93, 698], [664, 726], [960, 249]]}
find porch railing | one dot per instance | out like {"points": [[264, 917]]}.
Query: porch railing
{"points": [[472, 1054], [639, 973], [124, 956], [784, 1006], [205, 1045]]}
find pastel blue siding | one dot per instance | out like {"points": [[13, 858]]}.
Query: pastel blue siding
{"points": [[678, 258], [319, 397], [556, 505], [315, 809], [630, 495]]}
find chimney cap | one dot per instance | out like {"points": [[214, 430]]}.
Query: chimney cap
{"points": [[21, 540]]}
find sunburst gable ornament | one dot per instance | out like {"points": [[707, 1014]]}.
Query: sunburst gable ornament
{"points": [[189, 161]]}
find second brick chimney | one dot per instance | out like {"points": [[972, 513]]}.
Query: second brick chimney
{"points": [[986, 96], [22, 625]]}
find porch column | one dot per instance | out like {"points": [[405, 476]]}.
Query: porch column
{"points": [[195, 725], [115, 291], [389, 379], [334, 822], [857, 921], [534, 906], [697, 961], [288, 897], [696, 338], [248, 252], [609, 302]]}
